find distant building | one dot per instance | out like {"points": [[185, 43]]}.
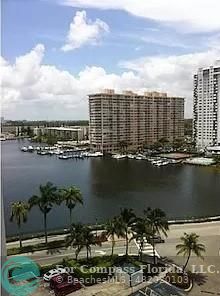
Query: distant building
{"points": [[12, 129], [133, 120], [206, 107], [77, 133]]}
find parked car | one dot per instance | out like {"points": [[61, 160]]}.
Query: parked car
{"points": [[61, 278], [53, 272], [67, 288]]}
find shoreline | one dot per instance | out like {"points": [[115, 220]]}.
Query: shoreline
{"points": [[94, 227]]}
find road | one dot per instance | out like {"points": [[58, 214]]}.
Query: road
{"points": [[206, 283], [56, 255]]}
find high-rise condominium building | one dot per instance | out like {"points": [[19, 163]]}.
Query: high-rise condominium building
{"points": [[206, 121], [131, 121]]}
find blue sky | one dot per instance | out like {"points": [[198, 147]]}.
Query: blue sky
{"points": [[119, 45]]}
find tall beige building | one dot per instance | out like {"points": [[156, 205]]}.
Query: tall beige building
{"points": [[133, 120]]}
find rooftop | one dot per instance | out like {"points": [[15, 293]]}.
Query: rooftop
{"points": [[63, 128], [149, 94]]}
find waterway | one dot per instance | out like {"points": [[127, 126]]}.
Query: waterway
{"points": [[107, 185]]}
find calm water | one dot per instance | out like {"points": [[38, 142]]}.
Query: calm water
{"points": [[107, 185]]}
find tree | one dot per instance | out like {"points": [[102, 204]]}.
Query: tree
{"points": [[123, 146], [113, 228], [88, 240], [19, 212], [71, 196], [158, 223], [190, 244], [163, 142], [178, 143], [75, 238], [126, 220], [141, 232], [45, 201]]}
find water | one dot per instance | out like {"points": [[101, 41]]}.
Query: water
{"points": [[107, 185]]}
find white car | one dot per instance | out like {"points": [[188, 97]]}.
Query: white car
{"points": [[53, 272]]}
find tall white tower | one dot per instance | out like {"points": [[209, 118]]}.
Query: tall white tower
{"points": [[206, 107]]}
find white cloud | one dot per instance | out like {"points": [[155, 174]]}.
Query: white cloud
{"points": [[187, 15], [172, 74], [31, 89], [84, 31], [34, 90]]}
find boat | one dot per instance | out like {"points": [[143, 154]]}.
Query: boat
{"points": [[119, 156], [58, 152], [95, 154], [161, 163], [130, 156], [30, 149], [42, 152], [175, 161], [140, 157], [64, 157], [24, 149]]}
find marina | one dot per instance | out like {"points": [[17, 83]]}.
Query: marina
{"points": [[107, 184], [159, 160]]}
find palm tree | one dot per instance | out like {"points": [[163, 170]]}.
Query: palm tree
{"points": [[164, 142], [19, 212], [127, 217], [45, 201], [71, 196], [158, 223], [190, 244], [88, 240], [113, 228], [141, 231], [123, 146], [75, 238]]}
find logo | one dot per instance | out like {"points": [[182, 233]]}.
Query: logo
{"points": [[19, 276]]}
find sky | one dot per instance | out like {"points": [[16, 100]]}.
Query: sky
{"points": [[56, 52]]}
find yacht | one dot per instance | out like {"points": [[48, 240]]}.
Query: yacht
{"points": [[140, 157], [30, 148], [161, 163], [95, 154], [119, 156], [64, 157], [24, 149], [130, 156]]}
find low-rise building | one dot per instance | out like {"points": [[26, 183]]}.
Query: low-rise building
{"points": [[78, 133]]}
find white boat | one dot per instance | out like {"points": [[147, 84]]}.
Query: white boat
{"points": [[24, 149], [95, 154], [64, 157], [130, 156], [175, 161], [58, 152], [140, 157], [161, 163], [119, 156], [43, 153], [30, 148]]}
